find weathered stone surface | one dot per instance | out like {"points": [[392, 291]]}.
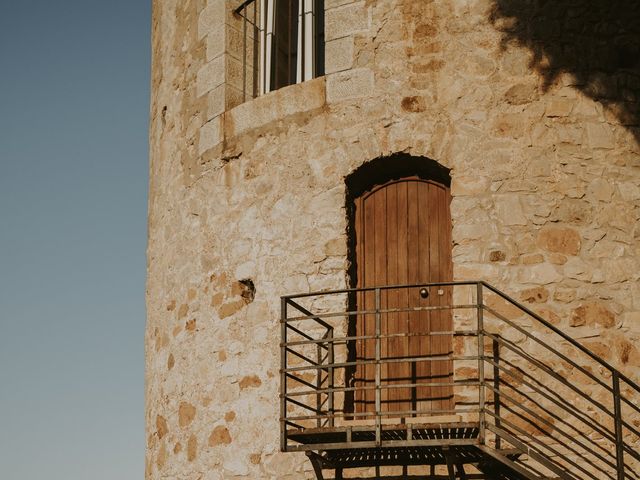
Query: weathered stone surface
{"points": [[192, 448], [346, 20], [559, 240], [534, 295], [210, 135], [544, 183], [186, 414], [349, 85], [339, 55], [219, 436], [592, 313], [161, 426], [250, 381]]}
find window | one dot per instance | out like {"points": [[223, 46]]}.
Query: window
{"points": [[287, 37]]}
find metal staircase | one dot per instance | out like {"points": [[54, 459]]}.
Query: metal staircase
{"points": [[518, 399]]}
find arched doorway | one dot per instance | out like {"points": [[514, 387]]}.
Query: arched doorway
{"points": [[401, 235]]}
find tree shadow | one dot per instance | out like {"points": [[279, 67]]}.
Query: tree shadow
{"points": [[596, 41]]}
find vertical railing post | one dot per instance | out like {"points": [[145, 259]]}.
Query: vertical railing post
{"points": [[617, 413], [283, 374], [331, 378], [481, 388], [244, 55], [496, 387], [378, 368], [256, 53], [319, 384]]}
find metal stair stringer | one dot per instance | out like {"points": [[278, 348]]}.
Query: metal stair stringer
{"points": [[517, 472]]}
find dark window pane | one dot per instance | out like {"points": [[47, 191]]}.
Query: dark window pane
{"points": [[285, 42], [319, 37]]}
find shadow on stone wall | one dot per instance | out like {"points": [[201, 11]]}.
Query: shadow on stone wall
{"points": [[596, 41]]}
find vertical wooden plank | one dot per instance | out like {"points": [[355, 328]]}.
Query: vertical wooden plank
{"points": [[446, 247], [435, 269], [424, 264], [370, 224], [381, 254], [360, 299], [390, 349], [413, 321], [403, 396]]}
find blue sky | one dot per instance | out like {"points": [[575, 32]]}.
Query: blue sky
{"points": [[74, 95]]}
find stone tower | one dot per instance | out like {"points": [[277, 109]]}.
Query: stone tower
{"points": [[519, 120]]}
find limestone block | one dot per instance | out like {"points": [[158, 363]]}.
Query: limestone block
{"points": [[210, 135], [522, 93], [215, 42], [346, 20], [338, 55], [559, 240], [629, 191], [210, 76], [592, 313], [540, 274], [469, 185], [299, 98], [560, 107], [349, 85], [212, 17], [534, 295], [509, 210], [600, 135], [336, 3], [600, 189], [216, 101]]}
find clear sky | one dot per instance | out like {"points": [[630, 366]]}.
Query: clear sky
{"points": [[74, 95]]}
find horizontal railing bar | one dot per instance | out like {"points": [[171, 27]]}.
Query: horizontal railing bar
{"points": [[316, 391], [600, 429], [399, 413], [348, 313], [547, 370], [302, 357], [628, 402], [550, 349], [302, 405], [345, 340], [436, 358], [300, 332], [287, 422], [310, 315], [298, 379], [562, 334], [554, 427], [323, 293], [382, 444]]}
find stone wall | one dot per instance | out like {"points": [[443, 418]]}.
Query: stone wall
{"points": [[545, 185]]}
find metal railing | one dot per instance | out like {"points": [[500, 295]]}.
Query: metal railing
{"points": [[281, 42], [489, 361]]}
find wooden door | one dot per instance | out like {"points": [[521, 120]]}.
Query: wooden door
{"points": [[403, 236]]}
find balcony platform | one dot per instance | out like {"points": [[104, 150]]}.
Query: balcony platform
{"points": [[363, 436]]}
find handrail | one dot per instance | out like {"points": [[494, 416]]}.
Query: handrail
{"points": [[381, 287], [524, 387], [566, 337], [242, 6]]}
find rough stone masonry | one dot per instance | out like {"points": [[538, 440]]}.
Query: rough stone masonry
{"points": [[247, 201]]}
